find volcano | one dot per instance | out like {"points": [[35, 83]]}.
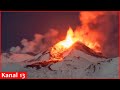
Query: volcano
{"points": [[83, 53], [73, 57], [78, 50], [78, 62]]}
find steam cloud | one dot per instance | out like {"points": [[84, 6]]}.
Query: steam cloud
{"points": [[38, 44]]}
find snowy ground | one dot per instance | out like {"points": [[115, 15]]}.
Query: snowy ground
{"points": [[85, 66]]}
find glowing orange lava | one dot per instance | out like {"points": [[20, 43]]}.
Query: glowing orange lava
{"points": [[71, 38]]}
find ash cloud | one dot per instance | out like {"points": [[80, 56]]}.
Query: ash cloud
{"points": [[105, 25]]}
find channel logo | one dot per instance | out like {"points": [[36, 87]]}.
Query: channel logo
{"points": [[13, 75]]}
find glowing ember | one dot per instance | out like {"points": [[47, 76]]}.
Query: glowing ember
{"points": [[69, 41], [61, 47]]}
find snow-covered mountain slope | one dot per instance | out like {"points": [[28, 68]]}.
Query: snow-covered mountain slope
{"points": [[79, 62], [70, 69], [15, 57]]}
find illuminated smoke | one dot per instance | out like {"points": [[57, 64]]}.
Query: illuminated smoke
{"points": [[101, 26]]}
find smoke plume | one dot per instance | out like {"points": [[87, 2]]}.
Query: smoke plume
{"points": [[38, 44], [101, 27]]}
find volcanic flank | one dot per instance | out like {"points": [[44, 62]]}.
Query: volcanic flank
{"points": [[46, 58], [79, 62]]}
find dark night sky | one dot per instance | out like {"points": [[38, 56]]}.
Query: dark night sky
{"points": [[19, 25]]}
